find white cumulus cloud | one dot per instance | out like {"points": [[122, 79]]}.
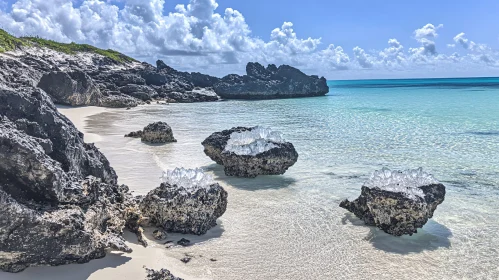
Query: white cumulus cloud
{"points": [[201, 37]]}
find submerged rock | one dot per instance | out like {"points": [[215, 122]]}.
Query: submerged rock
{"points": [[188, 201], [397, 202], [184, 242], [158, 132], [249, 152], [270, 82], [59, 200], [163, 274]]}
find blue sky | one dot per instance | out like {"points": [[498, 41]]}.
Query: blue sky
{"points": [[370, 23], [353, 34]]}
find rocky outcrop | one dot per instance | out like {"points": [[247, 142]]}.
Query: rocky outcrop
{"points": [[397, 202], [249, 152], [269, 83], [188, 201], [215, 144], [71, 88], [90, 78], [119, 101], [162, 274], [59, 199], [157, 133], [196, 95], [154, 133], [134, 134], [141, 92]]}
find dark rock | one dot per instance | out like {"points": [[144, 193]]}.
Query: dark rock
{"points": [[163, 274], [119, 101], [396, 212], [134, 134], [196, 95], [73, 88], [261, 83], [185, 210], [162, 66], [59, 199], [215, 144], [186, 259], [274, 161], [158, 132], [184, 242], [213, 259], [144, 93], [73, 154], [159, 234]]}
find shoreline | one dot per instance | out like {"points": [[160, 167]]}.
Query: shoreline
{"points": [[79, 115], [116, 265]]}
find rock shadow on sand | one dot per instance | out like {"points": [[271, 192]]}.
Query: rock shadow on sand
{"points": [[172, 238], [262, 182], [431, 237], [70, 271]]}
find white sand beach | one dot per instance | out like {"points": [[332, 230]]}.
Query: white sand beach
{"points": [[78, 115]]}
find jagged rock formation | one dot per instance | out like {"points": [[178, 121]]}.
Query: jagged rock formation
{"points": [[188, 201], [163, 274], [71, 88], [109, 79], [270, 82], [397, 202], [59, 199], [154, 133], [249, 152]]}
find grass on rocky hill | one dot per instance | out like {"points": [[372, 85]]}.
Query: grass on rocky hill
{"points": [[9, 43]]}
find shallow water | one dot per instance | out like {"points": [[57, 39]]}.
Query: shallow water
{"points": [[290, 226]]}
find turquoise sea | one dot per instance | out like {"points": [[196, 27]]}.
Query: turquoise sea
{"points": [[290, 226]]}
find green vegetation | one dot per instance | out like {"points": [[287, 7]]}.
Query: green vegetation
{"points": [[9, 43]]}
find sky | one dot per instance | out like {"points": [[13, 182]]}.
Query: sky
{"points": [[353, 39]]}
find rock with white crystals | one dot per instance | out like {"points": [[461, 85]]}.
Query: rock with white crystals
{"points": [[188, 201], [249, 152], [398, 202]]}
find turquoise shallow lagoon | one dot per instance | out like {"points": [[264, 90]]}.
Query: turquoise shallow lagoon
{"points": [[290, 226]]}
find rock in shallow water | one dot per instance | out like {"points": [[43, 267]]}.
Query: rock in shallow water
{"points": [[154, 133], [397, 202], [249, 152], [270, 82], [187, 202], [158, 132]]}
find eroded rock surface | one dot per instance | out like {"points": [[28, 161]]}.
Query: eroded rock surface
{"points": [[187, 202], [59, 199], [162, 274], [397, 202], [71, 88], [244, 152], [269, 83]]}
